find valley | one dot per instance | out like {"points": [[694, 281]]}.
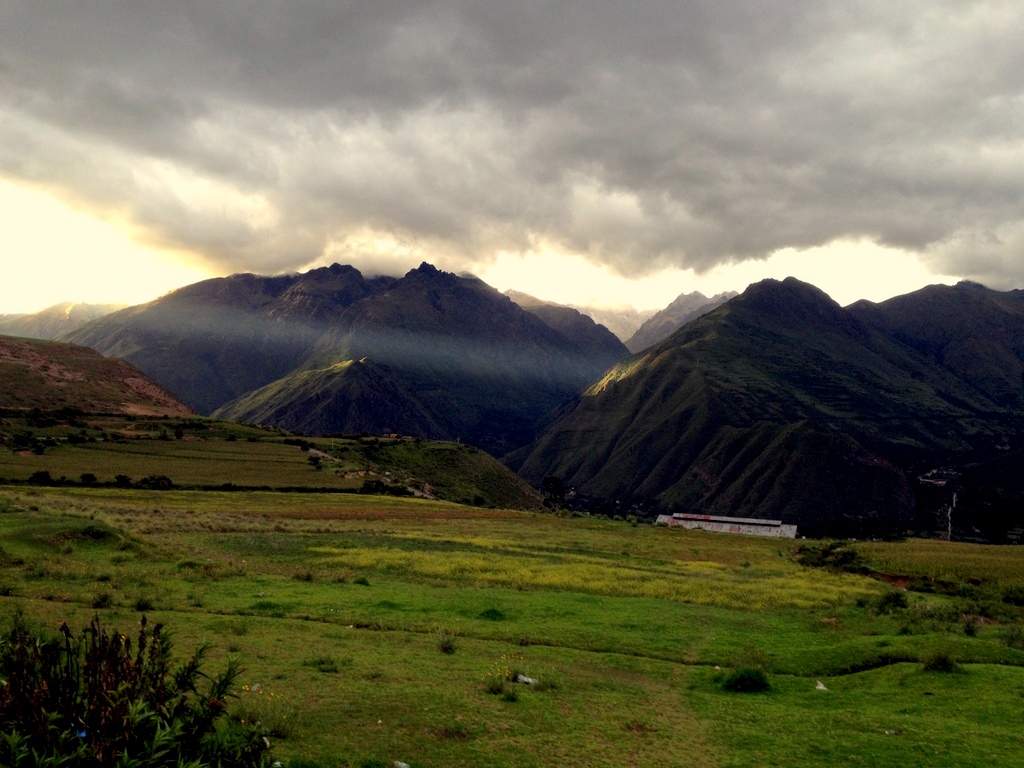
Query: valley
{"points": [[395, 598]]}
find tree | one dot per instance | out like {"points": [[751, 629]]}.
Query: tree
{"points": [[40, 477], [156, 483]]}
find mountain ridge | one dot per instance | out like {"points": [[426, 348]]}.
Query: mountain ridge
{"points": [[763, 405], [472, 364], [54, 321], [685, 308]]}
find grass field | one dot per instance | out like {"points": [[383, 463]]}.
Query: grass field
{"points": [[341, 609], [206, 453]]}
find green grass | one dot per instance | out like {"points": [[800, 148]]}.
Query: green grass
{"points": [[337, 607], [198, 462], [204, 453]]}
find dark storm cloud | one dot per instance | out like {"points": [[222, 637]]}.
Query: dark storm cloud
{"points": [[640, 134]]}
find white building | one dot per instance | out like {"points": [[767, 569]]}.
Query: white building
{"points": [[748, 525]]}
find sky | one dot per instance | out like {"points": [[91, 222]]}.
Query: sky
{"points": [[584, 151]]}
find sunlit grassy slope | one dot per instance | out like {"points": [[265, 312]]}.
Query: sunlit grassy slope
{"points": [[339, 606], [197, 452]]}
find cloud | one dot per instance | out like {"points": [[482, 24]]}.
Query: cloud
{"points": [[639, 135]]}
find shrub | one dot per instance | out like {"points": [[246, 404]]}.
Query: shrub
{"points": [[1014, 637], [1014, 595], [747, 680], [142, 604], [892, 601], [156, 483], [94, 700], [446, 641], [837, 555], [102, 600], [941, 661], [325, 664]]}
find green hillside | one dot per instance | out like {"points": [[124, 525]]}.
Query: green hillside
{"points": [[80, 450], [350, 395], [780, 404]]}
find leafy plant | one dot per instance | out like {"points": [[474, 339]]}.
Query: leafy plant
{"points": [[95, 700], [446, 640]]}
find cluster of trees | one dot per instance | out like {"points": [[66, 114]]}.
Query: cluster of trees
{"points": [[149, 482]]}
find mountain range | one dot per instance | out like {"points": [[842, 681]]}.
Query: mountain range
{"points": [[683, 309], [54, 322], [430, 354], [623, 321], [780, 404], [876, 418]]}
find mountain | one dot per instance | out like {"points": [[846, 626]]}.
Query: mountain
{"points": [[780, 404], [683, 309], [51, 376], [430, 354], [575, 325], [218, 339], [53, 322], [352, 396], [974, 333], [622, 321]]}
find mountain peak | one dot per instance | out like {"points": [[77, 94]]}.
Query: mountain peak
{"points": [[428, 270], [791, 299], [971, 285]]}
